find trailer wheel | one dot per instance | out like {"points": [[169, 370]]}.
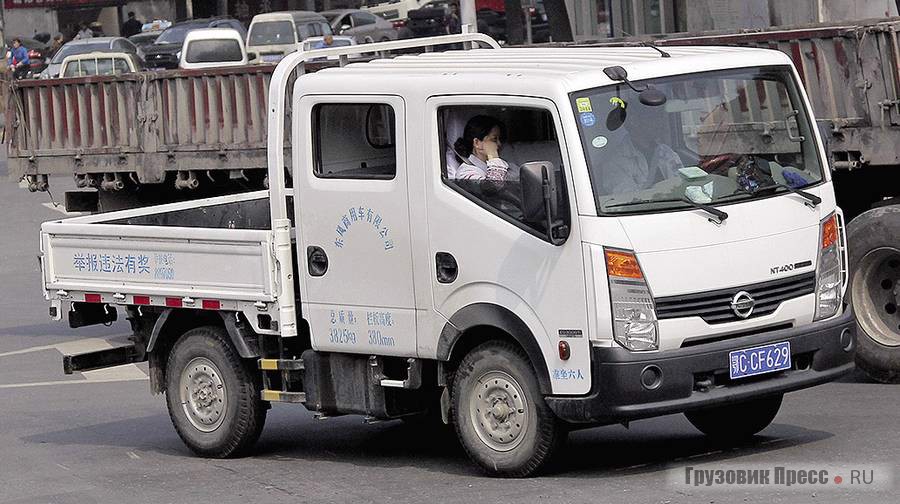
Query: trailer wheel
{"points": [[735, 422], [499, 414], [875, 290], [212, 395]]}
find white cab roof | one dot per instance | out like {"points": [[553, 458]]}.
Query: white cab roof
{"points": [[541, 71]]}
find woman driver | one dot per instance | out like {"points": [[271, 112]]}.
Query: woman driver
{"points": [[479, 147]]}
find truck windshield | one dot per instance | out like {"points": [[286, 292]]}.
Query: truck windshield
{"points": [[724, 136], [272, 33]]}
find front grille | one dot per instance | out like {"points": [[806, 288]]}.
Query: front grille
{"points": [[714, 307]]}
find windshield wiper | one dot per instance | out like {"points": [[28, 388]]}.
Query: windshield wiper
{"points": [[719, 215], [812, 200]]}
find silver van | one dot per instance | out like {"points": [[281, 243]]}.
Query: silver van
{"points": [[276, 34]]}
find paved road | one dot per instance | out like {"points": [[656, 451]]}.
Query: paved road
{"points": [[101, 437]]}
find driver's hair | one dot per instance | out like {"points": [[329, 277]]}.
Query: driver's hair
{"points": [[478, 127]]}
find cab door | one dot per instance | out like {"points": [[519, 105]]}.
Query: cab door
{"points": [[352, 212]]}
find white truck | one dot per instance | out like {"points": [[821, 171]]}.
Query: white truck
{"points": [[518, 241]]}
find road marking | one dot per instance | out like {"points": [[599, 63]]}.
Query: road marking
{"points": [[68, 382], [66, 347], [62, 209], [133, 456]]}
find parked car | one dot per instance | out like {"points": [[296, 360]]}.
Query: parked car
{"points": [[313, 43], [144, 40], [433, 18], [84, 46], [166, 50], [213, 48], [100, 63], [37, 53], [364, 26], [276, 34], [395, 11]]}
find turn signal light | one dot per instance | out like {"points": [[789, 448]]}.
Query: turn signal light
{"points": [[829, 232], [622, 264]]}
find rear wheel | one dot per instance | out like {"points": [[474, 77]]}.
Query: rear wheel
{"points": [[736, 422], [874, 250], [499, 414], [212, 395]]}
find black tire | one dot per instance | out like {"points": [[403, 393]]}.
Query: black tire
{"points": [[736, 422], [531, 447], [874, 277], [241, 421]]}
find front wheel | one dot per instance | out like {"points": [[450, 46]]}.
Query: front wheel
{"points": [[212, 395], [736, 422], [499, 414], [875, 291]]}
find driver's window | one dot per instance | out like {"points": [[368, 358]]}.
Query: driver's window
{"points": [[500, 157]]}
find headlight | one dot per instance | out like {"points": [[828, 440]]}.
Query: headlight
{"points": [[828, 269], [633, 310]]}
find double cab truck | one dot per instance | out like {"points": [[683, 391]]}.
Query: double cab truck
{"points": [[516, 241]]}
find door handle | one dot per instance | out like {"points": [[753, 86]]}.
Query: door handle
{"points": [[447, 269], [317, 260]]}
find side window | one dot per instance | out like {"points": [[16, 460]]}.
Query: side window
{"points": [[362, 18], [303, 32], [502, 158], [72, 69], [122, 66], [354, 141]]}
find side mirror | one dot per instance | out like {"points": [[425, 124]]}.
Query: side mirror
{"points": [[251, 56], [541, 193]]}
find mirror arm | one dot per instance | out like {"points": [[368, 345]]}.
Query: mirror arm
{"points": [[553, 224]]}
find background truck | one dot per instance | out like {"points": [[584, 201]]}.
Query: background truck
{"points": [[142, 138], [407, 270]]}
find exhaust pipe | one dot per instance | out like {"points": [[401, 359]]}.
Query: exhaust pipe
{"points": [[112, 182], [186, 180]]}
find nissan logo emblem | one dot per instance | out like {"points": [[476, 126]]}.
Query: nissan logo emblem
{"points": [[742, 304]]}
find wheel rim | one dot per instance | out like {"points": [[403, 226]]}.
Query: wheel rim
{"points": [[203, 394], [876, 295], [498, 410]]}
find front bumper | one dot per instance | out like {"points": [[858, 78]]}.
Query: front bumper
{"points": [[697, 376]]}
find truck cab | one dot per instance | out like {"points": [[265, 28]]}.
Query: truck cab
{"points": [[519, 241]]}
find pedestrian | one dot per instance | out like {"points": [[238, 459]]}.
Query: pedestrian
{"points": [[84, 33], [132, 26], [18, 62], [325, 43], [55, 45], [454, 24]]}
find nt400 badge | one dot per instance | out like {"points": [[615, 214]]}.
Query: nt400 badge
{"points": [[588, 119]]}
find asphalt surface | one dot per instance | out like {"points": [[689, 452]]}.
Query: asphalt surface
{"points": [[102, 437]]}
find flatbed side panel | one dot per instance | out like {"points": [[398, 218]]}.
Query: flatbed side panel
{"points": [[155, 261]]}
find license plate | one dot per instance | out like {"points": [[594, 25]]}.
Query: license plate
{"points": [[760, 360], [272, 58]]}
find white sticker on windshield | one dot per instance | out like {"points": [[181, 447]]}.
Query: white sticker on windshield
{"points": [[599, 141]]}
